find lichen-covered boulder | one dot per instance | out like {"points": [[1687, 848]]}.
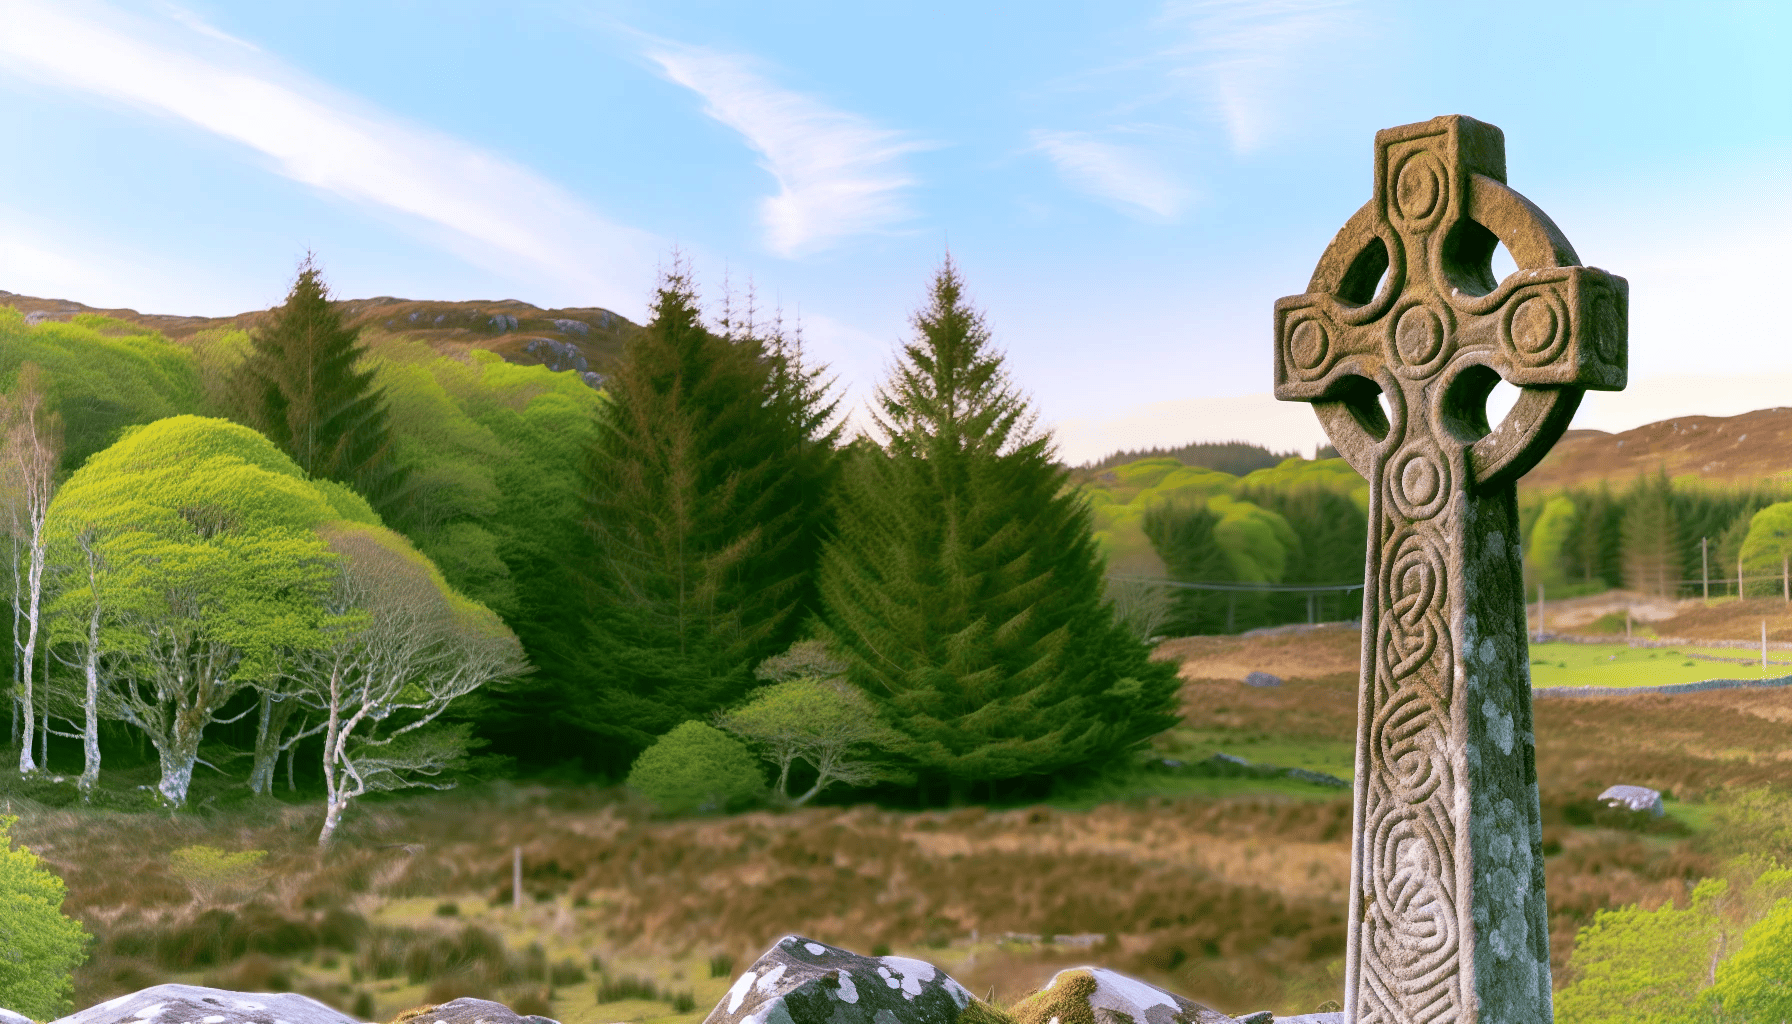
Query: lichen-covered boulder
{"points": [[1334, 1017], [195, 1004], [1096, 995], [800, 981], [467, 1010]]}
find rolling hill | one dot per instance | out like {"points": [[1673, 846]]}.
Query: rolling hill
{"points": [[581, 339], [1716, 449]]}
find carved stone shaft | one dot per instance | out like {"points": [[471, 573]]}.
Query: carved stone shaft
{"points": [[1397, 341]]}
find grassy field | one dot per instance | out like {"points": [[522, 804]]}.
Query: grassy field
{"points": [[1228, 890], [1570, 664]]}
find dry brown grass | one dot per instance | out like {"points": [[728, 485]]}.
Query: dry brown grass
{"points": [[1237, 902]]}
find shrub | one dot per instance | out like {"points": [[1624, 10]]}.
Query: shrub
{"points": [[684, 1002], [211, 872], [566, 972], [1756, 983], [532, 1003], [615, 990], [696, 767], [45, 945], [721, 965]]}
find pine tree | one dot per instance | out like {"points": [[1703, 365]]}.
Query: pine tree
{"points": [[303, 387], [1182, 534], [963, 585], [705, 499]]}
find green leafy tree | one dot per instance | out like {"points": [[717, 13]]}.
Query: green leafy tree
{"points": [[1755, 984], [705, 501], [1766, 548], [1635, 966], [401, 647], [214, 569], [696, 767], [100, 375], [1546, 548], [963, 586], [43, 945], [819, 719], [304, 387]]}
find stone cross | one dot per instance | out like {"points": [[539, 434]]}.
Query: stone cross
{"points": [[1447, 915]]}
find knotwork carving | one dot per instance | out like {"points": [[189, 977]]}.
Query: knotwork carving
{"points": [[1398, 339]]}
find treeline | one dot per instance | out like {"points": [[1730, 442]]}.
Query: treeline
{"points": [[1235, 457], [1658, 536], [644, 549], [1261, 537], [1255, 540]]}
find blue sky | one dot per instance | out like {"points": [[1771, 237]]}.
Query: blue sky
{"points": [[1128, 186]]}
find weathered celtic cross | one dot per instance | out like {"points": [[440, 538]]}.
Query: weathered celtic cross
{"points": [[1447, 914]]}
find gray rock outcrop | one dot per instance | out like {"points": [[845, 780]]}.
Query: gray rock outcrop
{"points": [[1109, 997], [196, 1004], [800, 981], [467, 1010], [1262, 679]]}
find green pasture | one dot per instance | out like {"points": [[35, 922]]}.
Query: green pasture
{"points": [[1619, 665]]}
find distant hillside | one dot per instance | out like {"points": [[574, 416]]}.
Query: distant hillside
{"points": [[1718, 449], [1234, 457], [580, 339]]}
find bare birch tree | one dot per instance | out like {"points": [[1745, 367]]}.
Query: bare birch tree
{"points": [[30, 449], [404, 647]]}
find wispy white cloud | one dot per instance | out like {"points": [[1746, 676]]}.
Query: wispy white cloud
{"points": [[489, 210], [838, 173], [1246, 60], [1126, 175]]}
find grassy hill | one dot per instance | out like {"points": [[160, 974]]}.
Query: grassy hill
{"points": [[1716, 449], [581, 339]]}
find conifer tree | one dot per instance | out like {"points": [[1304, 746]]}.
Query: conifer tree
{"points": [[303, 387], [705, 500], [963, 584]]}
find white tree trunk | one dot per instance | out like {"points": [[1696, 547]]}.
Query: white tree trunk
{"points": [[34, 592], [90, 700], [178, 752]]}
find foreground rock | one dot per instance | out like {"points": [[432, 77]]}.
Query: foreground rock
{"points": [[800, 981], [467, 1010], [195, 1004], [1096, 995]]}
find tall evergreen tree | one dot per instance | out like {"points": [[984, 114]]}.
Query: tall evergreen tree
{"points": [[1181, 533], [303, 387], [705, 499], [963, 584]]}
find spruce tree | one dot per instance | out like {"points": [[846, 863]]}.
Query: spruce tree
{"points": [[705, 501], [963, 584], [303, 387]]}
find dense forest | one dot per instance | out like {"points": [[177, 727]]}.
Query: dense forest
{"points": [[308, 560]]}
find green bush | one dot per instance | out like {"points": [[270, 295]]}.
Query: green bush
{"points": [[43, 946], [1756, 983], [697, 768]]}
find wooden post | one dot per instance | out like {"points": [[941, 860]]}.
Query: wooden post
{"points": [[1763, 646], [1626, 623], [1739, 591], [1705, 565], [516, 879], [1539, 613]]}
